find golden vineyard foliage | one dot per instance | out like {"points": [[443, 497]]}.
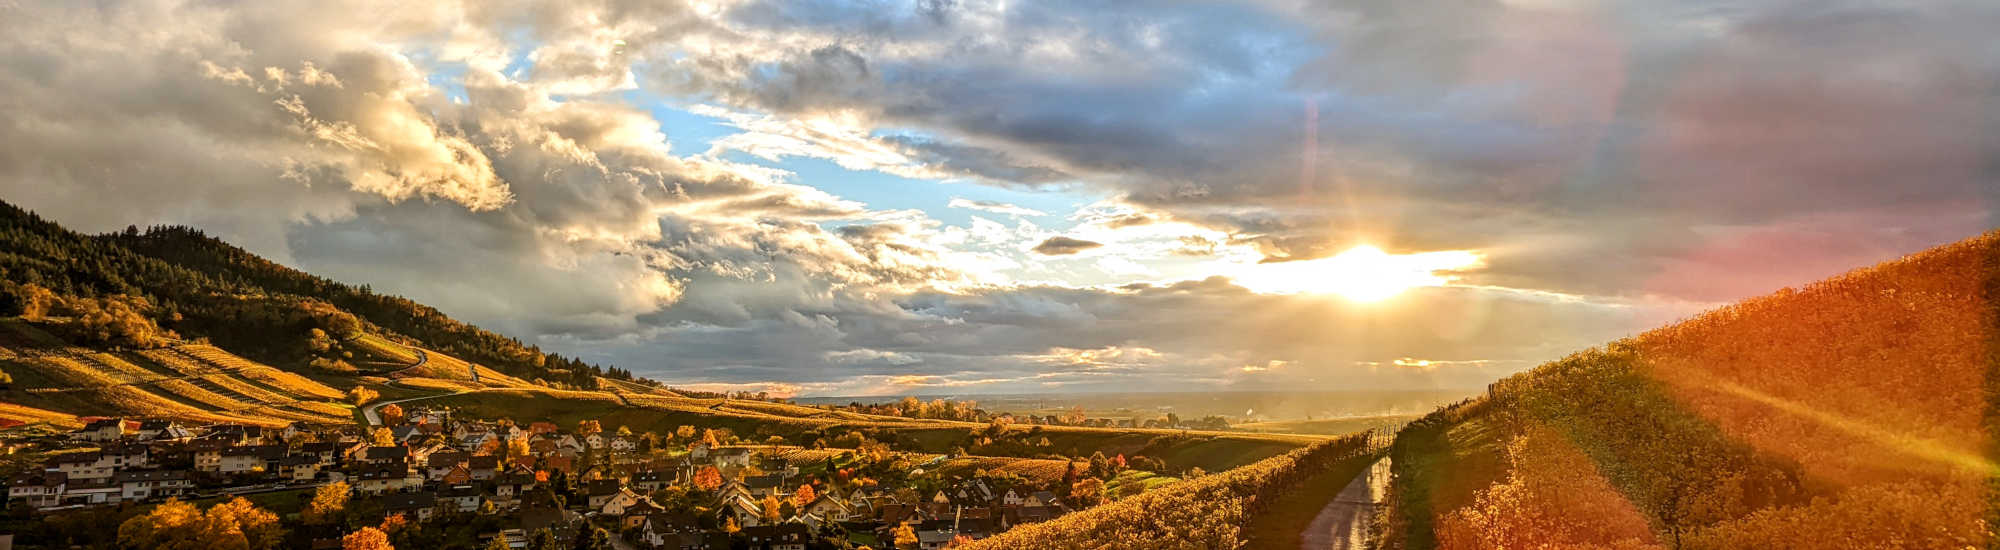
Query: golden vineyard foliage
{"points": [[1855, 412], [1554, 497], [1208, 512]]}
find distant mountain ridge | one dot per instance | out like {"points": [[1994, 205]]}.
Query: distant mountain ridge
{"points": [[203, 287]]}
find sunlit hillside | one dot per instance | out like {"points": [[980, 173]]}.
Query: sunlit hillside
{"points": [[1856, 412]]}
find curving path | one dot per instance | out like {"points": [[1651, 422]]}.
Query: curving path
{"points": [[1345, 522]]}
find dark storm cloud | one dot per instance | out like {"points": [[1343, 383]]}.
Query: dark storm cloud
{"points": [[1064, 246]]}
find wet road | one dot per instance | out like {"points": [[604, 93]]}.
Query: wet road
{"points": [[1344, 523]]}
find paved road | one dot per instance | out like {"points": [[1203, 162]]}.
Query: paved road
{"points": [[1344, 523]]}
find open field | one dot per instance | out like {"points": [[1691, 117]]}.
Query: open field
{"points": [[1327, 426], [1211, 451]]}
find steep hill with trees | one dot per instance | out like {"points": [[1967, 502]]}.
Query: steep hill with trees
{"points": [[1854, 412], [199, 287]]}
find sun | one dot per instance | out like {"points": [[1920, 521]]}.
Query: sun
{"points": [[1361, 274]]}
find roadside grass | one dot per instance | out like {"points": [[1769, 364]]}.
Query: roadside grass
{"points": [[1285, 524], [1441, 468]]}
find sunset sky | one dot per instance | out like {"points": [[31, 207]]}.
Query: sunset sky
{"points": [[956, 196]]}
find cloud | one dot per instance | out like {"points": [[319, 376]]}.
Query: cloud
{"points": [[1614, 166], [994, 207], [1064, 246]]}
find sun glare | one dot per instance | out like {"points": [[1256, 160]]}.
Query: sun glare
{"points": [[1362, 274]]}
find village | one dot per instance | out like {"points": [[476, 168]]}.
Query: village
{"points": [[540, 485]]}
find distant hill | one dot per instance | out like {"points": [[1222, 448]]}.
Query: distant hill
{"points": [[1854, 412], [201, 287]]}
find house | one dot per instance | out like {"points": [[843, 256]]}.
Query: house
{"points": [[599, 491], [42, 489], [616, 504], [100, 430], [764, 485], [138, 485], [624, 444], [649, 481], [1012, 497], [540, 428], [412, 506], [637, 513], [1042, 498], [375, 479], [747, 512], [249, 459], [299, 468], [829, 507], [672, 532], [162, 430], [99, 466], [233, 434], [783, 536], [466, 498], [595, 441], [724, 457], [935, 534], [326, 452], [386, 455], [483, 467]]}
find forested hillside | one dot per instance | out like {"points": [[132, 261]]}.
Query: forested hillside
{"points": [[1856, 412], [199, 287]]}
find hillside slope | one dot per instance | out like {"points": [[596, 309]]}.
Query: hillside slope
{"points": [[202, 287], [1854, 412]]}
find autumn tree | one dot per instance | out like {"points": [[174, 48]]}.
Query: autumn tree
{"points": [[708, 478], [805, 496], [382, 437], [685, 432], [175, 525], [361, 394], [773, 512], [392, 414], [328, 503], [1087, 492], [904, 537], [368, 538]]}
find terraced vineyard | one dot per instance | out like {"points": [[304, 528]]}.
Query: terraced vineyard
{"points": [[190, 382]]}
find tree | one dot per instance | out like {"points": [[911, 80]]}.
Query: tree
{"points": [[368, 538], [175, 525], [708, 478], [382, 437], [804, 497], [516, 449], [587, 427], [328, 502], [729, 525], [498, 543], [544, 540], [684, 432], [1087, 492], [361, 394], [773, 511], [392, 414], [904, 537]]}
